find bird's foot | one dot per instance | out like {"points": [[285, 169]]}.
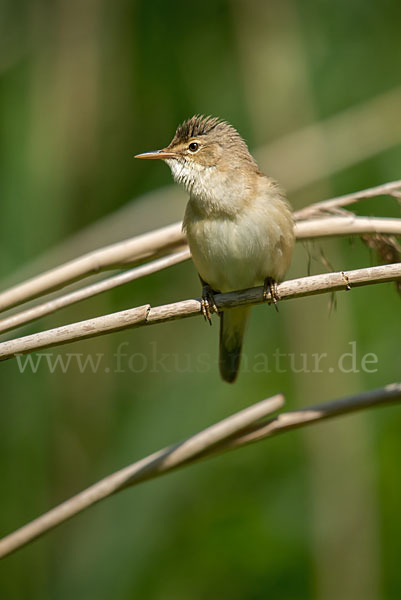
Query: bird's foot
{"points": [[270, 292], [208, 304]]}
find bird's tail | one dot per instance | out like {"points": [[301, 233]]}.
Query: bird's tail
{"points": [[232, 327]]}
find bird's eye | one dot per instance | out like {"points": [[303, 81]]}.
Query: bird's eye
{"points": [[193, 147]]}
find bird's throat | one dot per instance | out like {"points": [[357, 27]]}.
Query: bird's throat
{"points": [[212, 191]]}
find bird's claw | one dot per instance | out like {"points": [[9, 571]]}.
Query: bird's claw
{"points": [[270, 292], [208, 304]]}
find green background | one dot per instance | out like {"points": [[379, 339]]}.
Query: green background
{"points": [[315, 89]]}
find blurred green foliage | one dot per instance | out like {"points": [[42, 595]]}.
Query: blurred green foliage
{"points": [[83, 87]]}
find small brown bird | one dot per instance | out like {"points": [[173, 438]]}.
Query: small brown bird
{"points": [[238, 222]]}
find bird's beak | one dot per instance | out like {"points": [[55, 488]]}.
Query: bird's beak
{"points": [[157, 154]]}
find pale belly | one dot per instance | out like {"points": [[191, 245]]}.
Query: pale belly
{"points": [[237, 254]]}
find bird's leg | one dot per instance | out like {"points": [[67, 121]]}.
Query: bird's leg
{"points": [[270, 287], [208, 304]]}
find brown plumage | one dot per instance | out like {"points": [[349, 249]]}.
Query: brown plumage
{"points": [[238, 222]]}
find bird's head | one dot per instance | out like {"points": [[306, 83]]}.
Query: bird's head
{"points": [[202, 147]]}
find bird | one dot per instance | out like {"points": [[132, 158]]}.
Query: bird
{"points": [[238, 222]]}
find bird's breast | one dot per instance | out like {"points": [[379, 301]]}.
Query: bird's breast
{"points": [[237, 252]]}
